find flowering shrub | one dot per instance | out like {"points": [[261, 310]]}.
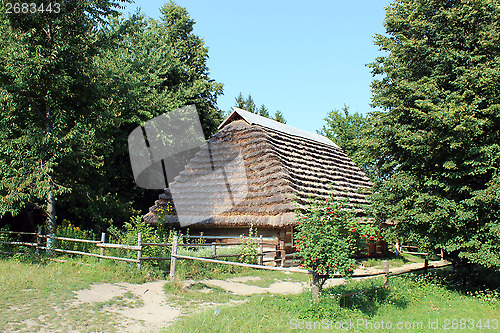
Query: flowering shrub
{"points": [[163, 211], [329, 235], [324, 238], [69, 230]]}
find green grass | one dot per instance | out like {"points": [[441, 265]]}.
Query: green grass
{"points": [[394, 261], [35, 293], [412, 298]]}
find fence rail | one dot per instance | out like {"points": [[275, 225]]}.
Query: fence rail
{"points": [[260, 242], [174, 256]]}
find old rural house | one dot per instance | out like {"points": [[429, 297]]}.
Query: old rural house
{"points": [[283, 166]]}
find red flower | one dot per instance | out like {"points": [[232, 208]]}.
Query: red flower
{"points": [[327, 207], [335, 215], [303, 236]]}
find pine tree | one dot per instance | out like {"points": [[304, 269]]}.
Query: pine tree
{"points": [[250, 104], [263, 111], [278, 116], [240, 101]]}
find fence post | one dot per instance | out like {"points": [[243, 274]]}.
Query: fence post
{"points": [[261, 251], [103, 240], [315, 287], [214, 249], [282, 252], [426, 264], [139, 252], [173, 259], [385, 265], [38, 240], [276, 252]]}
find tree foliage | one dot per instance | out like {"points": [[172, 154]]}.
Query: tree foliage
{"points": [[329, 235], [248, 104], [49, 118], [351, 132], [440, 128], [72, 88]]}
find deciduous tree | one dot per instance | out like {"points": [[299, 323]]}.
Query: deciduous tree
{"points": [[440, 125], [351, 132]]}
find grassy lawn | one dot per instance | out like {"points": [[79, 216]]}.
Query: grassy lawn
{"points": [[414, 300], [37, 295], [394, 261]]}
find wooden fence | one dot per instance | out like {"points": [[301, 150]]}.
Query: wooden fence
{"points": [[217, 242], [174, 256]]}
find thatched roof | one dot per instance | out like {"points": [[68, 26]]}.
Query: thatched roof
{"points": [[267, 167]]}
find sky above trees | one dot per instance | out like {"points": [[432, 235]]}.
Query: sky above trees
{"points": [[300, 58]]}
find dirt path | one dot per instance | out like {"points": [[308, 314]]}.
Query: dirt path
{"points": [[151, 313], [144, 307]]}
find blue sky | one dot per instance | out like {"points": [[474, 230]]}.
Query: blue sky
{"points": [[303, 58]]}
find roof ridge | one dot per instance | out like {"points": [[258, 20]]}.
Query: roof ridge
{"points": [[255, 119]]}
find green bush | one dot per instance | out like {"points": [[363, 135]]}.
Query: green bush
{"points": [[248, 249], [68, 230], [129, 236]]}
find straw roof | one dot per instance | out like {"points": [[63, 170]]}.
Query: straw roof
{"points": [[269, 169]]}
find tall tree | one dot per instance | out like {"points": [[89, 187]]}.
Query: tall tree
{"points": [[351, 133], [250, 104], [156, 66], [48, 115], [240, 101], [73, 88], [440, 126]]}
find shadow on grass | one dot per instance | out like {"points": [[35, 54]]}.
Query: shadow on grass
{"points": [[368, 301], [464, 279], [363, 297]]}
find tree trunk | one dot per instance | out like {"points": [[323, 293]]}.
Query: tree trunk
{"points": [[51, 217]]}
